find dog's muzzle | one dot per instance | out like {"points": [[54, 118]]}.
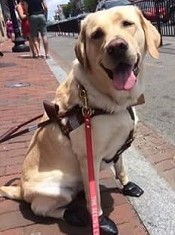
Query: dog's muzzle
{"points": [[122, 66], [124, 73]]}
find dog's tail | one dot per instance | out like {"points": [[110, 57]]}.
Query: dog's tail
{"points": [[11, 192]]}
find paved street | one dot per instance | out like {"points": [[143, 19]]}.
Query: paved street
{"points": [[151, 161]]}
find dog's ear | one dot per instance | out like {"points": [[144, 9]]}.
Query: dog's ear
{"points": [[80, 47], [152, 36]]}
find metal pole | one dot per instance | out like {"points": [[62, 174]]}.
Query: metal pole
{"points": [[157, 6], [19, 40]]}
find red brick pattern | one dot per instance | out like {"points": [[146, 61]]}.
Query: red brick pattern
{"points": [[160, 153], [18, 105]]}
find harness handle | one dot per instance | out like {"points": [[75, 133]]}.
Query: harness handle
{"points": [[11, 133], [51, 110]]}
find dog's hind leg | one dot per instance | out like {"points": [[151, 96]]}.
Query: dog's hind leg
{"points": [[129, 188], [12, 192], [60, 208], [50, 206]]}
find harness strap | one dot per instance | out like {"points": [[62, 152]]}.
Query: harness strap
{"points": [[51, 110], [74, 119], [10, 134], [74, 116], [127, 143]]}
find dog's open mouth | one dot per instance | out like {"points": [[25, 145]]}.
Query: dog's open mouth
{"points": [[124, 75]]}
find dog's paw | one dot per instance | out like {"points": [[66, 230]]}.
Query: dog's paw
{"points": [[107, 226], [76, 215], [132, 189]]}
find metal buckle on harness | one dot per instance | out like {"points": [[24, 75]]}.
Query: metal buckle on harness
{"points": [[86, 110]]}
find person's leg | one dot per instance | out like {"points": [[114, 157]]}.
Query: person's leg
{"points": [[32, 46], [46, 45], [39, 42], [36, 46], [34, 33], [43, 31]]}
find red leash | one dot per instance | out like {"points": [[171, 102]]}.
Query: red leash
{"points": [[92, 183], [86, 111]]}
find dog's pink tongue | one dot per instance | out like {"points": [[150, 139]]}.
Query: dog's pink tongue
{"points": [[124, 80]]}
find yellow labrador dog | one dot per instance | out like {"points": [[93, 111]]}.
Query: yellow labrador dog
{"points": [[110, 52]]}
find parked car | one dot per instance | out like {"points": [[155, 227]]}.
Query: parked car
{"points": [[153, 11], [111, 3], [164, 10], [148, 8]]}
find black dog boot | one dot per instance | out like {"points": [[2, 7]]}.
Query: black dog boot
{"points": [[76, 215], [132, 189], [107, 226]]}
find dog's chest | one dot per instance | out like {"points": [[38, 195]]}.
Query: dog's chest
{"points": [[109, 133]]}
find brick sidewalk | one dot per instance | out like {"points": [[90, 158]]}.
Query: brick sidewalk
{"points": [[18, 104]]}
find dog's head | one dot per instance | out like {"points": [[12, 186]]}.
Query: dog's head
{"points": [[112, 44]]}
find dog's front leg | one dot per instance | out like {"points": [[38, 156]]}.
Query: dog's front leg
{"points": [[84, 172], [75, 213], [106, 225], [129, 188]]}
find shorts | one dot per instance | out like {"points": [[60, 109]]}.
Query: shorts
{"points": [[38, 25]]}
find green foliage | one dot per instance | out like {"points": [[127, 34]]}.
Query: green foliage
{"points": [[70, 9], [90, 5], [66, 10]]}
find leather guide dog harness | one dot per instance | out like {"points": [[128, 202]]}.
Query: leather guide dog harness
{"points": [[127, 143], [74, 117]]}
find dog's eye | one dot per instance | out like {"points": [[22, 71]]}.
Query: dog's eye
{"points": [[97, 34], [127, 23]]}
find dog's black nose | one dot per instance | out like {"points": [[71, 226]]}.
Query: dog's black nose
{"points": [[117, 47]]}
